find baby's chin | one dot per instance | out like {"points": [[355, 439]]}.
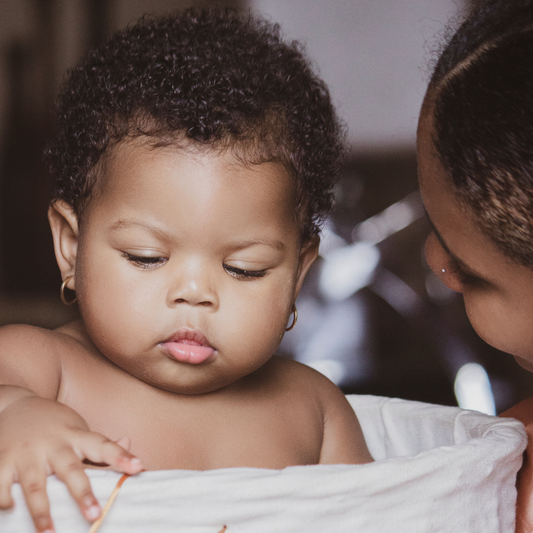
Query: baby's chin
{"points": [[524, 363]]}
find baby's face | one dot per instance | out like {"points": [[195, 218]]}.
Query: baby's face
{"points": [[188, 265], [498, 293]]}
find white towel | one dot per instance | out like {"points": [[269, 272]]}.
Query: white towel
{"points": [[437, 469]]}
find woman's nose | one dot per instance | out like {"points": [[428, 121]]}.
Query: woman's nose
{"points": [[438, 260]]}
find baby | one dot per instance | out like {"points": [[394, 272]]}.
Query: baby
{"points": [[194, 162], [475, 150]]}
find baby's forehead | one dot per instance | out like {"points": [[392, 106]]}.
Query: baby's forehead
{"points": [[191, 192], [134, 158]]}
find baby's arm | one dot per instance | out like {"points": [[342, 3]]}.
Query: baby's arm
{"points": [[40, 436]]}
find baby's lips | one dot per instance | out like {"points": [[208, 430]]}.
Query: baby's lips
{"points": [[188, 353], [188, 346]]}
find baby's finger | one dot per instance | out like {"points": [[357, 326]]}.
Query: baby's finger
{"points": [[33, 483], [124, 442], [69, 469], [6, 481], [98, 449]]}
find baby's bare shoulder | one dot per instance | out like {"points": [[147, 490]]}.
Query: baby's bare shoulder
{"points": [[309, 387], [343, 440], [21, 339], [301, 377], [30, 357]]}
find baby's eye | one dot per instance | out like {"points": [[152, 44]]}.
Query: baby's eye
{"points": [[239, 273], [146, 262]]}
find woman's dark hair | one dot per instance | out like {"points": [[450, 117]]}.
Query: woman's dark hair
{"points": [[482, 106], [213, 78]]}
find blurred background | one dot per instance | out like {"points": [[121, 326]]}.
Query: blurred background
{"points": [[372, 317]]}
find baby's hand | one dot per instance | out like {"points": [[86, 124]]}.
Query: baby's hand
{"points": [[39, 437]]}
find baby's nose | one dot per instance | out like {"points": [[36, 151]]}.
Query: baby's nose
{"points": [[193, 286]]}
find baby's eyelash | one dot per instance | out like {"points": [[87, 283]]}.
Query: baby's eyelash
{"points": [[239, 273], [146, 262]]}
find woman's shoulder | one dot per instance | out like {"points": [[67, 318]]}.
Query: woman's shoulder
{"points": [[522, 411]]}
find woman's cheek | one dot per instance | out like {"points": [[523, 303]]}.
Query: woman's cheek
{"points": [[526, 364], [479, 320], [494, 323]]}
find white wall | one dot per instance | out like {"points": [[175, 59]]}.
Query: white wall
{"points": [[373, 54]]}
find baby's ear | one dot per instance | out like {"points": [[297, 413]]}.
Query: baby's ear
{"points": [[64, 225], [308, 254]]}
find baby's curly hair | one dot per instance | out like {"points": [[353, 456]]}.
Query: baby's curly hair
{"points": [[482, 91], [212, 78]]}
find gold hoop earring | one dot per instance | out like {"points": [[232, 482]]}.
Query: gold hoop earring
{"points": [[62, 292], [295, 319]]}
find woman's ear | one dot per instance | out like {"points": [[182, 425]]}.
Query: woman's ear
{"points": [[308, 254], [65, 231]]}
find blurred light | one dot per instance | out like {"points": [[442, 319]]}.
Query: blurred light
{"points": [[473, 390], [329, 240], [348, 269], [393, 219], [333, 330], [333, 370], [398, 294], [437, 291]]}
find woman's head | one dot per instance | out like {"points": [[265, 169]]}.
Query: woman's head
{"points": [[481, 101], [475, 144], [204, 77], [497, 290]]}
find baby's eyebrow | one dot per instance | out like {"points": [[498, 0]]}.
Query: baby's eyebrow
{"points": [[241, 245], [126, 224], [163, 235]]}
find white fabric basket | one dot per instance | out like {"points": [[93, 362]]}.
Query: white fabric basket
{"points": [[437, 469]]}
